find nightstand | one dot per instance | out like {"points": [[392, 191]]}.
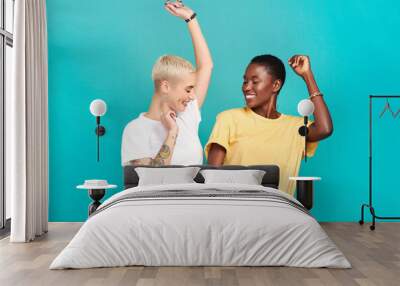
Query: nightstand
{"points": [[96, 190], [305, 190]]}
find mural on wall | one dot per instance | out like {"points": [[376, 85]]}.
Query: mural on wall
{"points": [[102, 51]]}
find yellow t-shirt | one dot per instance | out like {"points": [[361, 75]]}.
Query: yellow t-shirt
{"points": [[251, 139]]}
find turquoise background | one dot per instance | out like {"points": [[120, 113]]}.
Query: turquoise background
{"points": [[103, 49]]}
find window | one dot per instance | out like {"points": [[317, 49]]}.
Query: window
{"points": [[6, 44]]}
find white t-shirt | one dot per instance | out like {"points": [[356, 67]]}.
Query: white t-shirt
{"points": [[143, 138]]}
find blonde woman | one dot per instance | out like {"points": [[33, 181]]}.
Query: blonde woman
{"points": [[168, 132]]}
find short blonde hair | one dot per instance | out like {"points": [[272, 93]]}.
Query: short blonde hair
{"points": [[169, 67]]}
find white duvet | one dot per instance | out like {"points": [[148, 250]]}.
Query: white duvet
{"points": [[188, 231]]}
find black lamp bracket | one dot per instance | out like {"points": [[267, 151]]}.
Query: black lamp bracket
{"points": [[303, 130], [100, 130]]}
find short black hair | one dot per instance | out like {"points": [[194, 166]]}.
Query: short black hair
{"points": [[273, 65]]}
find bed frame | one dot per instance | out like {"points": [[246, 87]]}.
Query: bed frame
{"points": [[270, 179]]}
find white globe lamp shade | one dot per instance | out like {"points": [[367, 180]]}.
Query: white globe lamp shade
{"points": [[305, 107], [98, 107]]}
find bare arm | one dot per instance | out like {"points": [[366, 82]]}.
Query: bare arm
{"points": [[322, 127], [216, 155], [164, 156], [204, 63]]}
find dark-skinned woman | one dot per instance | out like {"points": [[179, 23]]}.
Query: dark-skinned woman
{"points": [[259, 133]]}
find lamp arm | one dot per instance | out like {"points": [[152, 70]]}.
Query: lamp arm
{"points": [[98, 147], [305, 137]]}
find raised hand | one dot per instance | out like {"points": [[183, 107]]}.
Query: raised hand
{"points": [[300, 64], [178, 9]]}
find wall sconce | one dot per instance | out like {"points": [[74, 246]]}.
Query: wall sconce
{"points": [[305, 109], [98, 108]]}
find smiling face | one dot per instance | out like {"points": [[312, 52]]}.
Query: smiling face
{"points": [[179, 92], [259, 86], [174, 79]]}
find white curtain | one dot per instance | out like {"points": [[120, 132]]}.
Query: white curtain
{"points": [[27, 124]]}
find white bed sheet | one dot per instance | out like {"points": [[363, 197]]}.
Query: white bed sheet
{"points": [[199, 232]]}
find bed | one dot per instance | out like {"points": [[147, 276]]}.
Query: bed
{"points": [[201, 224]]}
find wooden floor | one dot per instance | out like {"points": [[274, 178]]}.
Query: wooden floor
{"points": [[375, 257]]}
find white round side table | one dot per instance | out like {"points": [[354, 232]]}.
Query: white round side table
{"points": [[96, 190]]}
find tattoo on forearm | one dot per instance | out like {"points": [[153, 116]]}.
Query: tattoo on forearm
{"points": [[162, 156], [144, 161], [157, 162], [160, 159], [164, 152]]}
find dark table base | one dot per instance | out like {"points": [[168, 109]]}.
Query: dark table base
{"points": [[96, 195], [305, 193]]}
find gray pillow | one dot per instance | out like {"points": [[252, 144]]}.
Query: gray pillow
{"points": [[248, 177], [166, 176]]}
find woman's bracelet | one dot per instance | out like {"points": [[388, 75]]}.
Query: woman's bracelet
{"points": [[314, 94], [191, 18]]}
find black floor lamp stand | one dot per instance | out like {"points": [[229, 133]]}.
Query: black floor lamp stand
{"points": [[369, 205]]}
